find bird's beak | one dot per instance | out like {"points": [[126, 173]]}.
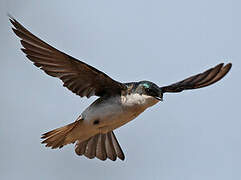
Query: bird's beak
{"points": [[159, 98]]}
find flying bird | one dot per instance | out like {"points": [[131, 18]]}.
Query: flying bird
{"points": [[118, 103]]}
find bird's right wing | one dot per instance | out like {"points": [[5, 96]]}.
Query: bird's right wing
{"points": [[79, 77], [204, 79]]}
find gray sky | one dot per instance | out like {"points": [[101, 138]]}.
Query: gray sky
{"points": [[191, 135]]}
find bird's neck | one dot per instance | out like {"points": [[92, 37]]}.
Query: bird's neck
{"points": [[140, 100]]}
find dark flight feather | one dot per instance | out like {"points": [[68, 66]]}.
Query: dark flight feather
{"points": [[102, 146], [79, 77], [204, 79]]}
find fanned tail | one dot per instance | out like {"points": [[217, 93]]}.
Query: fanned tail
{"points": [[102, 146]]}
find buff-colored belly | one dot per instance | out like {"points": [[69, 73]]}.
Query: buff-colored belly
{"points": [[110, 114], [109, 117]]}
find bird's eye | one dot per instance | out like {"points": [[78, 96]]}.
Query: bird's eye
{"points": [[148, 90]]}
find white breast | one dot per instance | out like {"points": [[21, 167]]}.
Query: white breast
{"points": [[143, 100]]}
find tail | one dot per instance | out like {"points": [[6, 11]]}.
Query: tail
{"points": [[102, 146], [59, 137]]}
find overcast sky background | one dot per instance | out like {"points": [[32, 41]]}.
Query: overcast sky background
{"points": [[191, 135]]}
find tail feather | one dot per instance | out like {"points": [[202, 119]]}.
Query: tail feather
{"points": [[91, 147], [102, 146], [110, 150], [81, 147], [117, 147], [100, 149]]}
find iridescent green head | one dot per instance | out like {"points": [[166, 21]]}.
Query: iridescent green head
{"points": [[149, 88]]}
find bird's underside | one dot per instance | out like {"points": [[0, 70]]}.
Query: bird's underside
{"points": [[102, 146], [86, 81]]}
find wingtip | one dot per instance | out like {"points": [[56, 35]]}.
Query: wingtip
{"points": [[220, 64], [11, 18], [122, 158], [225, 67], [229, 65]]}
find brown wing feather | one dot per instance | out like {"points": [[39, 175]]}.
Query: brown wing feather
{"points": [[79, 77], [204, 79]]}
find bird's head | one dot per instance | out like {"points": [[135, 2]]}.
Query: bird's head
{"points": [[150, 89]]}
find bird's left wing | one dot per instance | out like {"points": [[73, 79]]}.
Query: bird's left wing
{"points": [[79, 77], [204, 79]]}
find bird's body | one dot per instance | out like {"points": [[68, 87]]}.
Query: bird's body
{"points": [[118, 103], [107, 114]]}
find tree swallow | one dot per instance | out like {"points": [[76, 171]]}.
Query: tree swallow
{"points": [[118, 103]]}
